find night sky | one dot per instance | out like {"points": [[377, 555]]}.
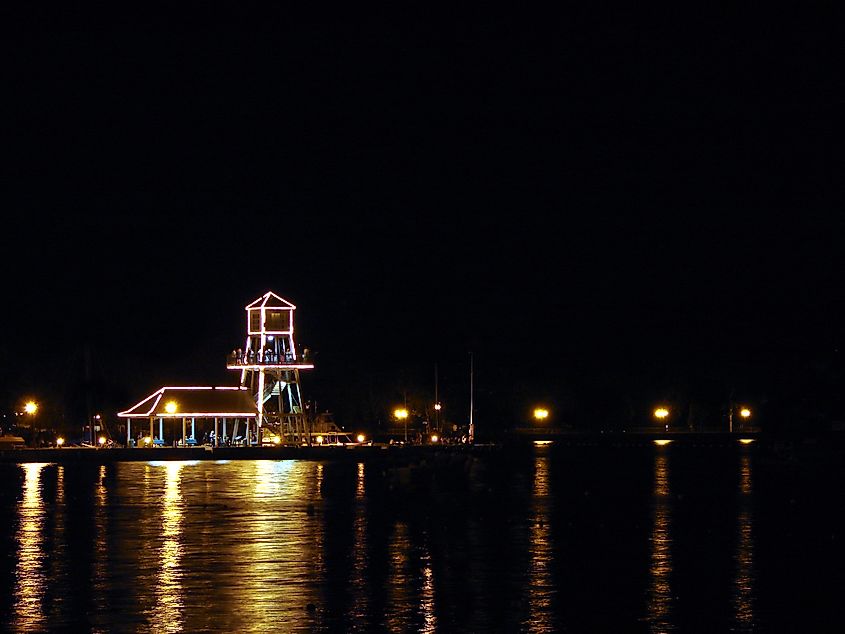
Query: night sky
{"points": [[608, 209]]}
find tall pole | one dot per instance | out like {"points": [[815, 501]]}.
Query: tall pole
{"points": [[436, 402], [471, 423]]}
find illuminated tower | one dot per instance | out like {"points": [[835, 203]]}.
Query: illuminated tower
{"points": [[269, 365]]}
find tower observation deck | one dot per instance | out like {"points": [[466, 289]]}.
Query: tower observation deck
{"points": [[269, 364]]}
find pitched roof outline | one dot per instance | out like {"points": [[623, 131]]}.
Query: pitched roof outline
{"points": [[196, 402], [270, 300]]}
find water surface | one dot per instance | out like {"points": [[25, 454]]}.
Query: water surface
{"points": [[654, 539]]}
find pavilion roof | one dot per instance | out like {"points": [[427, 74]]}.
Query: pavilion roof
{"points": [[196, 402]]}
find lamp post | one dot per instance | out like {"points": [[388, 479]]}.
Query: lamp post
{"points": [[662, 414], [745, 414], [402, 414], [95, 427], [31, 408]]}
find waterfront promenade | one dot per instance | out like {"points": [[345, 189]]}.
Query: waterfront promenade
{"points": [[368, 452]]}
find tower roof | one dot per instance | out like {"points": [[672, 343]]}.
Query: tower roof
{"points": [[270, 300], [198, 402]]}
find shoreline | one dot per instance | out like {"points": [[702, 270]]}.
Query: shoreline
{"points": [[375, 451]]}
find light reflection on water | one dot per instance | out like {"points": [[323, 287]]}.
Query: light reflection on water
{"points": [[304, 546], [743, 596], [542, 591], [167, 614], [660, 568], [29, 574]]}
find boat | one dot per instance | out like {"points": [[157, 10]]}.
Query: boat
{"points": [[11, 442]]}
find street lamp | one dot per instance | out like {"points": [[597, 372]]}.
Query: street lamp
{"points": [[662, 414], [541, 413], [745, 414], [95, 427], [30, 408], [402, 414]]}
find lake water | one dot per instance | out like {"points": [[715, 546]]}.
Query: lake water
{"points": [[546, 539]]}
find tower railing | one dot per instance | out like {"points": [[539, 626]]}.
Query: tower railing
{"points": [[247, 359]]}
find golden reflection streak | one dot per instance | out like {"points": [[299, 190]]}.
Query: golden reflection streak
{"points": [[29, 573], [359, 556], [743, 585], [281, 547], [100, 545], [660, 569], [396, 618], [167, 615], [359, 482], [429, 624], [541, 586]]}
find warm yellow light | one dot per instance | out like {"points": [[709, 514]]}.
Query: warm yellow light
{"points": [[147, 440], [746, 441], [745, 412], [319, 440], [438, 406], [170, 407], [276, 440], [361, 438], [400, 413], [435, 438], [102, 440], [661, 412], [31, 407], [60, 441], [662, 442], [542, 443], [541, 413]]}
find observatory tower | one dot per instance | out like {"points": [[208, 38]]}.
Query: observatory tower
{"points": [[269, 365]]}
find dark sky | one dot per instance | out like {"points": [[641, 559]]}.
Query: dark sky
{"points": [[605, 207]]}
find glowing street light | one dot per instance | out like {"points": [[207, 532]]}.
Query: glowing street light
{"points": [[541, 413], [360, 438], [744, 413], [102, 440], [435, 438], [319, 440], [31, 408], [402, 414], [170, 407], [60, 441], [662, 414]]}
